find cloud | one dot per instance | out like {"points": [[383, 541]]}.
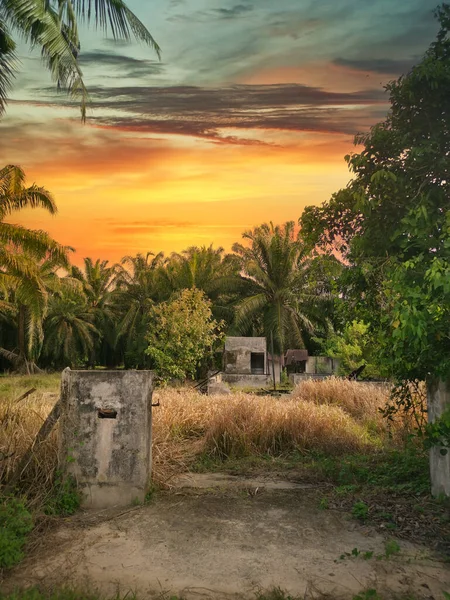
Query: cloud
{"points": [[236, 114], [136, 228], [237, 11], [127, 65], [386, 66], [221, 113]]}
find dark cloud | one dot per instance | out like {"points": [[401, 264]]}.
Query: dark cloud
{"points": [[211, 113], [215, 14], [385, 66], [219, 114], [127, 65], [231, 13]]}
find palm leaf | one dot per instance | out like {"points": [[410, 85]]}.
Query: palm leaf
{"points": [[8, 64]]}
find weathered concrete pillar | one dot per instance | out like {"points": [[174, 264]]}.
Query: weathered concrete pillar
{"points": [[105, 437], [438, 400]]}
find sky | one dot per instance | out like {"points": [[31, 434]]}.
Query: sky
{"points": [[246, 118]]}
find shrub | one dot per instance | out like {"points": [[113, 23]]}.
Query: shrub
{"points": [[15, 523]]}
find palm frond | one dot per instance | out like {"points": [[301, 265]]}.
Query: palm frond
{"points": [[15, 196], [8, 64], [116, 16], [35, 242], [248, 308]]}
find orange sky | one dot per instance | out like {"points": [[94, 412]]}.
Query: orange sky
{"points": [[250, 124], [125, 192]]}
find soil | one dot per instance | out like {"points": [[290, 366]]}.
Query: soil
{"points": [[219, 536]]}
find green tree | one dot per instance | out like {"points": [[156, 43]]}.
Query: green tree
{"points": [[392, 221], [354, 347], [208, 269], [394, 217], [69, 332], [98, 281], [279, 298], [137, 288], [28, 260], [182, 334], [52, 26], [28, 302]]}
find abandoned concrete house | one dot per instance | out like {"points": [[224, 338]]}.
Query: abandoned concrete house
{"points": [[247, 363]]}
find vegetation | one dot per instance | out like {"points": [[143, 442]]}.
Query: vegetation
{"points": [[271, 594], [15, 523], [182, 334], [391, 223], [332, 418], [53, 27], [155, 312], [279, 300]]}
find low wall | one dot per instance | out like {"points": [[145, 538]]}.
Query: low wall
{"points": [[241, 380], [105, 441]]}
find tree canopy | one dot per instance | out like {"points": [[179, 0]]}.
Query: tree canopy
{"points": [[392, 222]]}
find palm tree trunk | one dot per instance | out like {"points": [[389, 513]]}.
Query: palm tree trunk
{"points": [[21, 331], [22, 341]]}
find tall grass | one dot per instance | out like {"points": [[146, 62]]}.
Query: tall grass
{"points": [[334, 417]]}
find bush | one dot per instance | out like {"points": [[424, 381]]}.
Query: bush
{"points": [[65, 498], [15, 523]]}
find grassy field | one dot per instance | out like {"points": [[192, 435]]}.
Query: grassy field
{"points": [[329, 431], [333, 418]]}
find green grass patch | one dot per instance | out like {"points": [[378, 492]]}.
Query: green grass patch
{"points": [[395, 470], [275, 593], [402, 471], [12, 386], [15, 524], [65, 498]]}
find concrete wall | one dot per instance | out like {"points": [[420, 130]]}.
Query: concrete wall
{"points": [[242, 380], [109, 457], [322, 365], [438, 401], [238, 350]]}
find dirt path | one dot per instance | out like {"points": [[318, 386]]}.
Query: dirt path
{"points": [[219, 537]]}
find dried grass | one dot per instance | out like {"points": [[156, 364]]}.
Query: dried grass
{"points": [[19, 424], [334, 416], [360, 400]]}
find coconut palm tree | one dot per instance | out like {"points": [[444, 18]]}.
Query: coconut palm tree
{"points": [[52, 26], [136, 291], [98, 282], [207, 269], [278, 302], [28, 262], [29, 296], [69, 331], [14, 239]]}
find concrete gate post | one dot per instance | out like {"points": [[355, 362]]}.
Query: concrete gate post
{"points": [[105, 441], [438, 401]]}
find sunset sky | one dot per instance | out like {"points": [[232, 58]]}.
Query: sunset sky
{"points": [[246, 118]]}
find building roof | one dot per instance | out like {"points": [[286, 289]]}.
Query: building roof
{"points": [[295, 356]]}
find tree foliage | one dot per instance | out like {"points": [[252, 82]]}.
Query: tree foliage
{"points": [[52, 26], [354, 346], [392, 222], [279, 299], [182, 333]]}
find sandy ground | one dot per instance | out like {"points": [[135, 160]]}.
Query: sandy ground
{"points": [[217, 536]]}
